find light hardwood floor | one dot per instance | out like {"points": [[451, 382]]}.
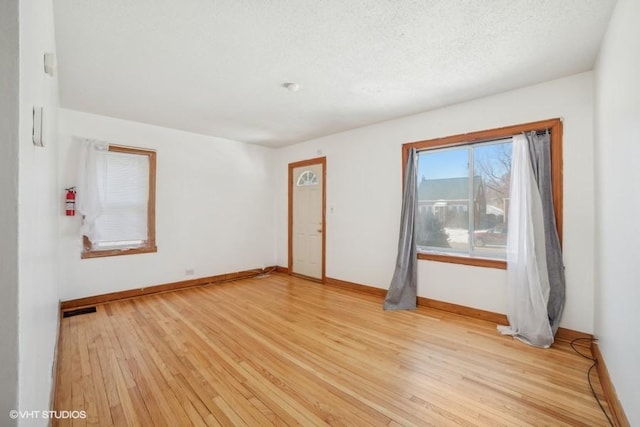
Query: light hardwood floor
{"points": [[279, 350]]}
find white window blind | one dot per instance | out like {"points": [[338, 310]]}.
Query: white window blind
{"points": [[123, 220]]}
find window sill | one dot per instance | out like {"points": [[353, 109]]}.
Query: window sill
{"points": [[118, 252], [477, 262]]}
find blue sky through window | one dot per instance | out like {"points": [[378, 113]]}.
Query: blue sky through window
{"points": [[454, 163], [441, 164]]}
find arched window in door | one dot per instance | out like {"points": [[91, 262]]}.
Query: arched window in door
{"points": [[307, 178]]}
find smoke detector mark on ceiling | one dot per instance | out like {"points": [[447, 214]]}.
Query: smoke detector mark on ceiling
{"points": [[291, 87]]}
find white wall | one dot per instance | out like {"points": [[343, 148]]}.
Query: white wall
{"points": [[39, 202], [617, 118], [364, 190], [214, 208], [9, 115]]}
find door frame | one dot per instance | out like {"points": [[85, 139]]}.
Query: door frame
{"points": [[315, 161]]}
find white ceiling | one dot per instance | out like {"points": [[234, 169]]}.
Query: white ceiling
{"points": [[217, 67]]}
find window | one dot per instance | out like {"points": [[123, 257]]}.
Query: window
{"points": [[463, 193], [126, 223], [307, 178]]}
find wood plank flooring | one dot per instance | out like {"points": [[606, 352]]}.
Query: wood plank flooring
{"points": [[281, 351]]}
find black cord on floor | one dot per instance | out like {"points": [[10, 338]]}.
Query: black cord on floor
{"points": [[595, 363]]}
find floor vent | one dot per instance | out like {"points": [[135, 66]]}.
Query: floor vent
{"points": [[79, 311]]}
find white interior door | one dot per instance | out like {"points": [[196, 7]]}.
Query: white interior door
{"points": [[307, 220]]}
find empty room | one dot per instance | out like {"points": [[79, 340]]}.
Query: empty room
{"points": [[345, 213]]}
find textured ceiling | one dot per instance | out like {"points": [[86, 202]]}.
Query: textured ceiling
{"points": [[217, 67]]}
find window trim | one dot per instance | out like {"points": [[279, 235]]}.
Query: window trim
{"points": [[150, 245], [555, 129]]}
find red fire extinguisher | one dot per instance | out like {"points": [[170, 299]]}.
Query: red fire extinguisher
{"points": [[70, 201]]}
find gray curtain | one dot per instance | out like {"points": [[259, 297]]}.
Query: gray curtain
{"points": [[402, 293], [540, 150]]}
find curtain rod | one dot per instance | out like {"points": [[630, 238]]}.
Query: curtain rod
{"points": [[543, 132]]}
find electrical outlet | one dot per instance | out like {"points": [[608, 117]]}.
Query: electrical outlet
{"points": [[189, 271]]}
